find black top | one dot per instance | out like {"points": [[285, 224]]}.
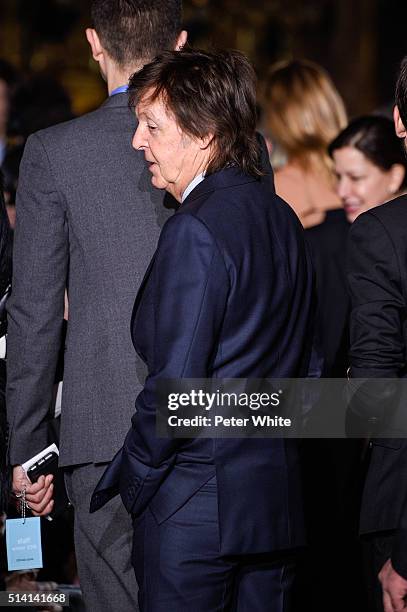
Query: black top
{"points": [[328, 243]]}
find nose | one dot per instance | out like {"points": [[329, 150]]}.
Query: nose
{"points": [[343, 187], [139, 142]]}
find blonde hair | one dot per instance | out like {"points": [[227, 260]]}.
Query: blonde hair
{"points": [[304, 112]]}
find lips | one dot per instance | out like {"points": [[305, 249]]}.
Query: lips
{"points": [[351, 207]]}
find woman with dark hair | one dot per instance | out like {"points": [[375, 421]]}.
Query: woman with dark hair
{"points": [[370, 164], [228, 294], [371, 168]]}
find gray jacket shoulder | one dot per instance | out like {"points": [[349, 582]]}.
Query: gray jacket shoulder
{"points": [[78, 141], [89, 150], [100, 118]]}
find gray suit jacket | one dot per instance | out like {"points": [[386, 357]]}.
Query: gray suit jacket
{"points": [[87, 218]]}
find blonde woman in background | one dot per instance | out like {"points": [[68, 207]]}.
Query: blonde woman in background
{"points": [[304, 113]]}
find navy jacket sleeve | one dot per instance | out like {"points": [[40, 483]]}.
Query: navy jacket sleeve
{"points": [[190, 286], [190, 289]]}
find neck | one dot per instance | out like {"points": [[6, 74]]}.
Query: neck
{"points": [[179, 192], [116, 77]]}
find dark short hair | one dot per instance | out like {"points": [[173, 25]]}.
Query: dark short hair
{"points": [[136, 30], [208, 93], [375, 137], [401, 91]]}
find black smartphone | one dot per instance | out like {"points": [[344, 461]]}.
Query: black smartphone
{"points": [[49, 465]]}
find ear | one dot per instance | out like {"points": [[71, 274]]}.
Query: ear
{"points": [[206, 141], [181, 40], [398, 124], [397, 172], [94, 42]]}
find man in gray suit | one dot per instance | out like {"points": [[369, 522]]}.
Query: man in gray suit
{"points": [[87, 221]]}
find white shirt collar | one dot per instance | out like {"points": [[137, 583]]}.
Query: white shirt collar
{"points": [[198, 179]]}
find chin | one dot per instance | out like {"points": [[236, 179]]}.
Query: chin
{"points": [[351, 217], [353, 213], [158, 182]]}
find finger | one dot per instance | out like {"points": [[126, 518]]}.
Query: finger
{"points": [[33, 487], [37, 495], [386, 568], [48, 585], [47, 510], [381, 575], [397, 602], [387, 602], [48, 479], [26, 585], [40, 504], [42, 483], [44, 480], [30, 575], [39, 482]]}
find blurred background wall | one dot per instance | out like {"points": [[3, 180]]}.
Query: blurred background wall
{"points": [[360, 42]]}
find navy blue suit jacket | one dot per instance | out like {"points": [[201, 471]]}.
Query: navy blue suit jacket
{"points": [[228, 294]]}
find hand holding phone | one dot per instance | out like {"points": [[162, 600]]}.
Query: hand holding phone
{"points": [[38, 495], [45, 466]]}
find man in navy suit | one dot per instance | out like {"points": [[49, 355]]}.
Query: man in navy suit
{"points": [[228, 294]]}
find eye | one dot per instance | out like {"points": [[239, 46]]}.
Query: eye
{"points": [[151, 127]]}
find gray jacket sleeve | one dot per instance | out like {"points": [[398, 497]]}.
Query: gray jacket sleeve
{"points": [[36, 307]]}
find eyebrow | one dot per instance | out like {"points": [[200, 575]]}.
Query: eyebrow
{"points": [[147, 112]]}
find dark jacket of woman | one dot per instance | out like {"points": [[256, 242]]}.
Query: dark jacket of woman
{"points": [[328, 243]]}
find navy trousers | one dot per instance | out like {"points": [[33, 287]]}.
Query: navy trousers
{"points": [[179, 567]]}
